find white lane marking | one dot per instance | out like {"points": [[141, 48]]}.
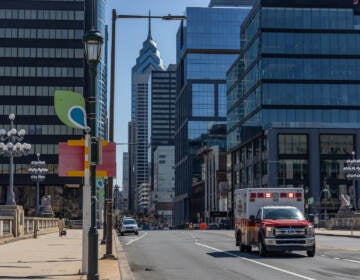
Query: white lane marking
{"points": [[347, 260], [136, 239], [259, 263]]}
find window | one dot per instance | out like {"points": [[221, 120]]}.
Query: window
{"points": [[292, 144], [336, 144]]}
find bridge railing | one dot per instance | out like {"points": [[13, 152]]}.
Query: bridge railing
{"points": [[26, 227], [6, 225]]}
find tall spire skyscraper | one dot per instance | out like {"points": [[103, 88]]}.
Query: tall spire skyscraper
{"points": [[149, 59]]}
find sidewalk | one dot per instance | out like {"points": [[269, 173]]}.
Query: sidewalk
{"points": [[52, 257], [336, 232]]}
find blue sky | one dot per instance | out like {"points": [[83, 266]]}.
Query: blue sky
{"points": [[130, 34]]}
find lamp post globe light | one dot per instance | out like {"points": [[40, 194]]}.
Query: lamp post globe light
{"points": [[93, 43], [11, 146], [37, 172]]}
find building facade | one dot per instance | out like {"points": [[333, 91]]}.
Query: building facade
{"points": [[293, 100], [41, 51], [164, 183], [207, 45], [161, 112], [125, 179], [132, 166], [216, 191]]}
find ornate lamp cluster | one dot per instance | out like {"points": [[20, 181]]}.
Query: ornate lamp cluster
{"points": [[37, 172], [11, 146]]}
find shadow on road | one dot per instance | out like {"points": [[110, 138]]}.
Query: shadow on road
{"points": [[254, 255]]}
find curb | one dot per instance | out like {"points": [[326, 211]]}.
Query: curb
{"points": [[124, 267], [336, 234]]}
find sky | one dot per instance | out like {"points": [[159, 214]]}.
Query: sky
{"points": [[129, 37]]}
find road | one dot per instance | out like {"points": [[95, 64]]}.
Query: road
{"points": [[212, 255]]}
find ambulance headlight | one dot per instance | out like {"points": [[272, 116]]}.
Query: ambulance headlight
{"points": [[310, 231], [269, 232]]}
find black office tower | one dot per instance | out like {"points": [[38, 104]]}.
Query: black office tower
{"points": [[41, 51]]}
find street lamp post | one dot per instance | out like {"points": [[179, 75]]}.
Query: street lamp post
{"points": [[93, 42], [38, 172], [11, 146], [108, 191]]}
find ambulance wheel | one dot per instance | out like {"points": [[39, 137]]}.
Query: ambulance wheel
{"points": [[262, 249], [248, 248], [242, 248], [311, 252]]}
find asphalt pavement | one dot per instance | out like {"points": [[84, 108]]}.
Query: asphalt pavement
{"points": [[52, 257]]}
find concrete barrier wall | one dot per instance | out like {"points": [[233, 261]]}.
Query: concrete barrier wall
{"points": [[6, 226], [341, 223], [28, 227]]}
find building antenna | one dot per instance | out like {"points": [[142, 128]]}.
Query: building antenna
{"points": [[149, 31]]}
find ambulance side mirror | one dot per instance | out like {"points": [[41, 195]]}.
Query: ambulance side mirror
{"points": [[252, 218]]}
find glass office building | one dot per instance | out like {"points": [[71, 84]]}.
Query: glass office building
{"points": [[293, 99], [101, 85], [207, 44]]}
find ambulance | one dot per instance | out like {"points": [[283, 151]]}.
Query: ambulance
{"points": [[272, 220]]}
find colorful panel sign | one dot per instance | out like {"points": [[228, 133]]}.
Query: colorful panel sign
{"points": [[70, 108], [71, 159]]}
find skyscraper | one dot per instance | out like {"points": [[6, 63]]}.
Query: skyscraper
{"points": [[149, 59], [207, 45], [161, 111]]}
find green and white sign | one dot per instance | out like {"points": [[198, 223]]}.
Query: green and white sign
{"points": [[70, 108]]}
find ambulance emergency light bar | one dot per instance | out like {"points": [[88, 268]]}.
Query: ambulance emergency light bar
{"points": [[276, 195]]}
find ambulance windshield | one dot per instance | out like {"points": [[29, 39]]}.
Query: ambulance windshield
{"points": [[283, 213]]}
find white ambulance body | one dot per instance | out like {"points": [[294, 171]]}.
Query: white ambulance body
{"points": [[270, 219], [248, 201]]}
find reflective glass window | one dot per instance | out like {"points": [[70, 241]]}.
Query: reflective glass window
{"points": [[203, 100], [292, 144]]}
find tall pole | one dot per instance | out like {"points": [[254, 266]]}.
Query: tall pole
{"points": [[108, 192], [86, 205], [93, 233], [37, 207], [38, 172], [92, 46], [11, 146], [10, 198]]}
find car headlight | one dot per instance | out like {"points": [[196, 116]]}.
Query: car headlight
{"points": [[269, 232], [310, 231]]}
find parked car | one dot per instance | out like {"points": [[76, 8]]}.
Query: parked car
{"points": [[128, 225]]}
